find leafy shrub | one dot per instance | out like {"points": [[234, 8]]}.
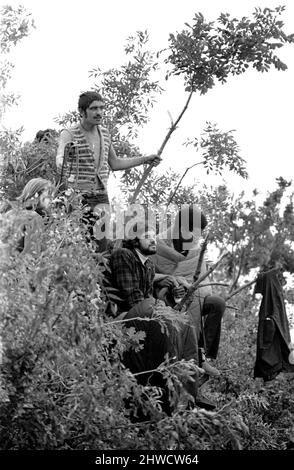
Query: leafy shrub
{"points": [[63, 383], [267, 410]]}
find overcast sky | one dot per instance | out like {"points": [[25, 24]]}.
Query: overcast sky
{"points": [[71, 38]]}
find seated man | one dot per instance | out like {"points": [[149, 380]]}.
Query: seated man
{"points": [[132, 273], [177, 255]]}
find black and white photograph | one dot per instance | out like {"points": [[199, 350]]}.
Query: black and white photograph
{"points": [[146, 232]]}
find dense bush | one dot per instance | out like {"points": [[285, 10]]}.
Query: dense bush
{"points": [[25, 161], [267, 410], [63, 385]]}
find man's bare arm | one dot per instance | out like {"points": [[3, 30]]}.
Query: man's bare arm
{"points": [[116, 163]]}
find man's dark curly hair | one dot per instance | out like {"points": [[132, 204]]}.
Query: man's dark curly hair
{"points": [[131, 244], [87, 98]]}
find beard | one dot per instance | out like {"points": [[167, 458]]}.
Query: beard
{"points": [[151, 250]]}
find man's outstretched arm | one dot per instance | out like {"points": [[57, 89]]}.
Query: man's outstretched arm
{"points": [[116, 163]]}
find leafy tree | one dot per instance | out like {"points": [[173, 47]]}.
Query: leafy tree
{"points": [[26, 161], [129, 93], [258, 235], [209, 52], [20, 162], [15, 24], [206, 52], [202, 54], [63, 384], [267, 411]]}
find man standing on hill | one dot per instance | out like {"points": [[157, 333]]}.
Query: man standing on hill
{"points": [[85, 155]]}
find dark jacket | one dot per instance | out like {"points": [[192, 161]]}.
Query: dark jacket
{"points": [[273, 335], [132, 279]]}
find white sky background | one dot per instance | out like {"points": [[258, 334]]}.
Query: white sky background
{"points": [[71, 38]]}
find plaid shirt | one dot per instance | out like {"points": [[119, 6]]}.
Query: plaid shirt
{"points": [[133, 279]]}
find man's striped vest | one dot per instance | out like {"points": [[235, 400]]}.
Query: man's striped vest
{"points": [[80, 169]]}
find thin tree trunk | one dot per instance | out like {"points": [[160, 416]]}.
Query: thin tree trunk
{"points": [[179, 183], [234, 283], [200, 259], [166, 139], [188, 296]]}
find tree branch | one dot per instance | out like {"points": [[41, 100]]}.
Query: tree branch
{"points": [[179, 183], [166, 139], [187, 297], [240, 289], [200, 259], [250, 283], [234, 283], [214, 284]]}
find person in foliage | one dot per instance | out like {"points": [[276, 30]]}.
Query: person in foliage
{"points": [[45, 136], [22, 224], [178, 251], [132, 274], [85, 156]]}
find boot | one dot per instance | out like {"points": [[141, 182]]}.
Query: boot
{"points": [[209, 369], [203, 402], [206, 365]]}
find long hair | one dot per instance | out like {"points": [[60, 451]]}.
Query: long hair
{"points": [[32, 191], [188, 220]]}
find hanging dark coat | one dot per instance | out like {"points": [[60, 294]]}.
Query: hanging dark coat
{"points": [[273, 335]]}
